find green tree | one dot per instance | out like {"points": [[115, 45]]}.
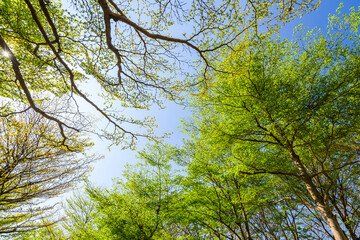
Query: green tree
{"points": [[36, 166], [80, 221], [142, 206], [126, 47], [226, 204], [290, 109], [208, 201]]}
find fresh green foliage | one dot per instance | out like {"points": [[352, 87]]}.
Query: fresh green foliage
{"points": [[290, 110], [273, 152], [140, 207], [274, 142], [56, 51], [122, 49]]}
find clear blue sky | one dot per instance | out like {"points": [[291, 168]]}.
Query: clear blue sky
{"points": [[169, 119]]}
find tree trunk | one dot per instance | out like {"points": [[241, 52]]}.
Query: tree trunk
{"points": [[322, 206], [333, 224]]}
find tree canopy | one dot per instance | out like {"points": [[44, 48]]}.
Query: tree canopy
{"points": [[290, 109], [273, 150], [141, 206], [52, 51], [35, 166], [124, 46]]}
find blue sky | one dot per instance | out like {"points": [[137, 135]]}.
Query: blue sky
{"points": [[112, 165]]}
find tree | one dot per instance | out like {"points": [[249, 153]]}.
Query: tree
{"points": [[208, 202], [81, 219], [126, 47], [226, 204], [142, 206], [290, 109], [35, 166]]}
